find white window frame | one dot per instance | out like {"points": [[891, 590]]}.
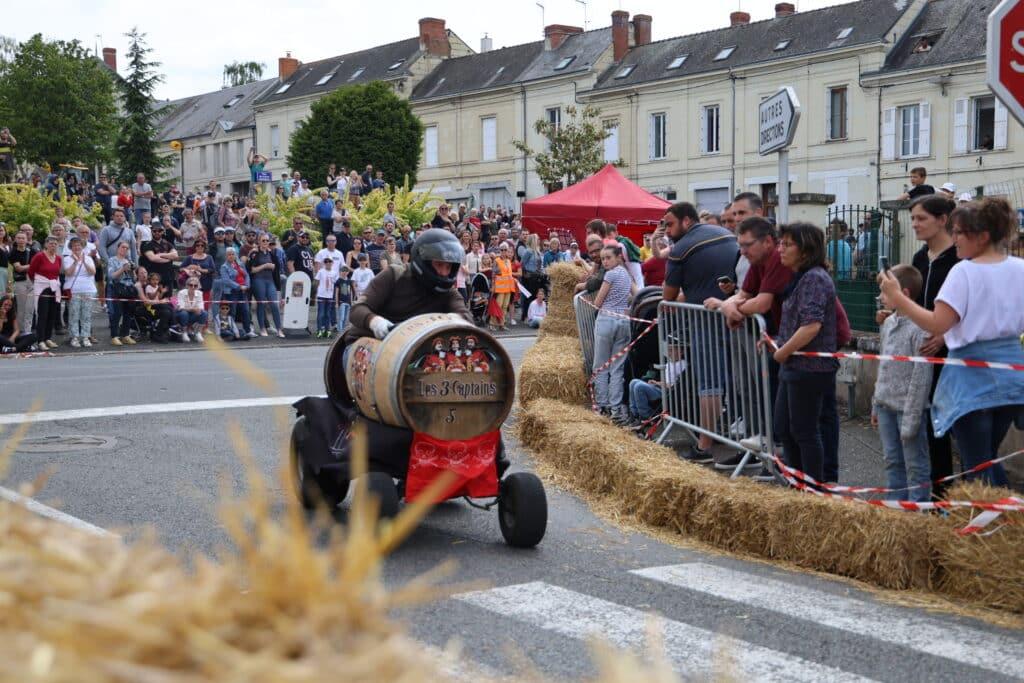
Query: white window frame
{"points": [[611, 143], [905, 150], [830, 132], [965, 121], [430, 148], [357, 73], [711, 136], [275, 141], [657, 123], [489, 138], [554, 115]]}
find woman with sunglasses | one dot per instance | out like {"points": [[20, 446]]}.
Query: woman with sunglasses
{"points": [[265, 274], [191, 311]]}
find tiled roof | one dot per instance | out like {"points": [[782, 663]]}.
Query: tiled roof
{"points": [[377, 63], [759, 41], [956, 30], [584, 49], [490, 69], [200, 114]]}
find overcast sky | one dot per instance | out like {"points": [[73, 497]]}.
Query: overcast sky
{"points": [[195, 39]]}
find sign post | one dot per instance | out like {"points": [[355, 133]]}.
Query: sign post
{"points": [[777, 119], [1005, 65]]}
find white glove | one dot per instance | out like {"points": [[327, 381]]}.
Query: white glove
{"points": [[380, 326]]}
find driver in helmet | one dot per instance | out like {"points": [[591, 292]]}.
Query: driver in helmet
{"points": [[427, 285]]}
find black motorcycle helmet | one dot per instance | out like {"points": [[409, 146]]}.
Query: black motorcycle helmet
{"points": [[435, 244]]}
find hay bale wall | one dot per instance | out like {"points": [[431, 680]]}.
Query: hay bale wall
{"points": [[553, 368], [886, 548], [561, 318]]}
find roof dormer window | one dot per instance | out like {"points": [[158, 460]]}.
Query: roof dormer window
{"points": [[677, 62], [396, 65], [925, 43], [564, 63], [725, 53], [782, 45], [845, 33], [326, 77], [283, 89], [625, 71], [357, 73], [233, 101]]}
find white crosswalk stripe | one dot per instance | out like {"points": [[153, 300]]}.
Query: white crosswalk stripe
{"points": [[895, 626], [693, 651]]}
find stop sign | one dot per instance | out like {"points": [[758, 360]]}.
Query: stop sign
{"points": [[1006, 55]]}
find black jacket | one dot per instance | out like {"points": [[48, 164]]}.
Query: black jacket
{"points": [[933, 273]]}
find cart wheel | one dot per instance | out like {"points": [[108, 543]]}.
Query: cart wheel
{"points": [[310, 487], [381, 485], [522, 510]]}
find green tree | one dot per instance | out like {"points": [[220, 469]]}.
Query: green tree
{"points": [[58, 100], [137, 143], [240, 73], [575, 148], [358, 125]]}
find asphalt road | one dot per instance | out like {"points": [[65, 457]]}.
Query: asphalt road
{"points": [[586, 579]]}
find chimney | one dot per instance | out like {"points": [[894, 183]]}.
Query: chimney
{"points": [[641, 29], [434, 37], [739, 18], [556, 33], [286, 66], [784, 9], [486, 43], [620, 34], [110, 58]]}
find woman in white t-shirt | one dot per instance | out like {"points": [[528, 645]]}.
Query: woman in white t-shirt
{"points": [[980, 312], [80, 278]]}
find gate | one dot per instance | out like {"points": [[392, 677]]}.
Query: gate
{"points": [[857, 239]]}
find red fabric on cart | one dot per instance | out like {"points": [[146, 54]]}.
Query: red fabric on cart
{"points": [[472, 460]]}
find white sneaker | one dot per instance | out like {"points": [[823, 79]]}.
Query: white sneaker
{"points": [[184, 337], [198, 337], [272, 330], [74, 342], [251, 334], [86, 342]]}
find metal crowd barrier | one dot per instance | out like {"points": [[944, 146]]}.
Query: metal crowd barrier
{"points": [[724, 390], [586, 316]]}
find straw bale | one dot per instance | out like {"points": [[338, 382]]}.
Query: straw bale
{"points": [[987, 568], [561, 318], [553, 368], [650, 483]]}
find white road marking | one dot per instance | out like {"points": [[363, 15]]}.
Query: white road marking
{"points": [[145, 409], [990, 651], [50, 513], [692, 650]]}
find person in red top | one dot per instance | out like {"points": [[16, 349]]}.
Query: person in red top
{"points": [[44, 273], [653, 269]]}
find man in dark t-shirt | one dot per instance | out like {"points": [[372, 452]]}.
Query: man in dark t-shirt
{"points": [[299, 257], [157, 256]]}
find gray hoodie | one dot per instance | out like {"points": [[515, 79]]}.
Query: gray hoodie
{"points": [[903, 386], [109, 237]]}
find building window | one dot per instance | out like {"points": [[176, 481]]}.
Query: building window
{"points": [[677, 62], [658, 140], [275, 141], [837, 118], [239, 153], [725, 53], [782, 45], [984, 122], [909, 122], [430, 146], [357, 73], [554, 116], [489, 129], [710, 137], [233, 101], [564, 63], [845, 33], [611, 143], [625, 71], [202, 159], [225, 166], [326, 77]]}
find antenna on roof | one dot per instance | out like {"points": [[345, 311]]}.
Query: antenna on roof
{"points": [[586, 22], [542, 22]]}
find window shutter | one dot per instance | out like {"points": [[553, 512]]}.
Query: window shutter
{"points": [[960, 127], [611, 144], [490, 139], [828, 113], [889, 134], [651, 134], [847, 133], [430, 145], [704, 130], [1001, 123], [925, 148]]}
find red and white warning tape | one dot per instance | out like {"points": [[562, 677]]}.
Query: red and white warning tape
{"points": [[611, 361]]}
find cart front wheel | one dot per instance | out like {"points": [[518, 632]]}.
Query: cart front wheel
{"points": [[312, 487], [522, 510]]}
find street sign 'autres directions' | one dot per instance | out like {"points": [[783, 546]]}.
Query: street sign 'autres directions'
{"points": [[777, 119]]}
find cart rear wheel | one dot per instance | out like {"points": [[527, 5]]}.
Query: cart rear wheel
{"points": [[522, 510], [312, 487], [382, 486]]}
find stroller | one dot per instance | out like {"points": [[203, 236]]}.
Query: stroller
{"points": [[479, 294]]}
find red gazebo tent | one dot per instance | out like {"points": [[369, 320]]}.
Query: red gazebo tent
{"points": [[606, 195]]}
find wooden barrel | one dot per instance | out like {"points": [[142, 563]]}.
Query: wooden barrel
{"points": [[436, 374]]}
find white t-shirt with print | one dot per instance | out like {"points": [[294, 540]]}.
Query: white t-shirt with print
{"points": [[361, 278], [337, 259]]}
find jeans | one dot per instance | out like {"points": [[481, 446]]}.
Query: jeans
{"points": [[534, 322], [187, 318], [324, 314], [710, 360], [979, 435], [119, 312], [80, 315], [240, 308], [610, 336], [907, 463], [940, 447], [343, 309], [799, 407], [265, 291], [642, 398], [138, 215]]}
